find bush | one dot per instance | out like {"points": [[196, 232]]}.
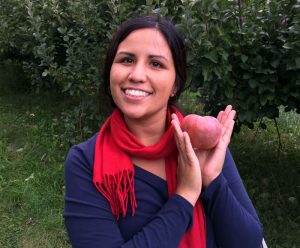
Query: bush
{"points": [[243, 53], [247, 55]]}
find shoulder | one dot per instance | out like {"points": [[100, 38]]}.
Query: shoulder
{"points": [[82, 153]]}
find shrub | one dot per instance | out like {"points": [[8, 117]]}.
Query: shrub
{"points": [[246, 53]]}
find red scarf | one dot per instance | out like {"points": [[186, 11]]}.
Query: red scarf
{"points": [[114, 171]]}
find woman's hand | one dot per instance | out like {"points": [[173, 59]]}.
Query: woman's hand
{"points": [[211, 161], [189, 179]]}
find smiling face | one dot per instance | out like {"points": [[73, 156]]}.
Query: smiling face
{"points": [[142, 75]]}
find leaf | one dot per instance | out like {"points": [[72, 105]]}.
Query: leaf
{"points": [[244, 58], [224, 54], [228, 93], [62, 30], [66, 38], [30, 177], [263, 100], [291, 66], [247, 76], [287, 46], [45, 73], [212, 56], [275, 63], [149, 2], [206, 72], [252, 83]]}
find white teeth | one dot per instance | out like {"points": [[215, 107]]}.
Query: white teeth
{"points": [[136, 92]]}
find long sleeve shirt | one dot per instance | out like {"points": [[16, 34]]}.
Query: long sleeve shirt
{"points": [[160, 220]]}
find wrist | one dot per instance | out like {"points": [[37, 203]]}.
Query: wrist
{"points": [[190, 197], [207, 180]]}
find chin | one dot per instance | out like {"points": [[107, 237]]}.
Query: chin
{"points": [[131, 114]]}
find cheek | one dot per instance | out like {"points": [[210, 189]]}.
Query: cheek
{"points": [[113, 75], [116, 78]]}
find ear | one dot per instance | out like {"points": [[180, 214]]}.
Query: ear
{"points": [[174, 91]]}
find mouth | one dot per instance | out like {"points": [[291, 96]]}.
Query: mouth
{"points": [[136, 93]]}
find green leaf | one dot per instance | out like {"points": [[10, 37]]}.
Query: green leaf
{"points": [[228, 93], [206, 72], [244, 58], [62, 30], [247, 76], [66, 38], [291, 66], [224, 54], [212, 56], [263, 100], [252, 83], [288, 46], [275, 63], [149, 2]]}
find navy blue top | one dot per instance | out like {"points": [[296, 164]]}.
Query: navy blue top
{"points": [[159, 220]]}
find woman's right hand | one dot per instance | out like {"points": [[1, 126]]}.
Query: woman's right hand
{"points": [[189, 179]]}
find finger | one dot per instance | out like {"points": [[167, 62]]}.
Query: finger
{"points": [[228, 125], [228, 108], [227, 122], [177, 129], [188, 145], [178, 134], [225, 113], [228, 132], [189, 151], [232, 115], [219, 117], [174, 117]]}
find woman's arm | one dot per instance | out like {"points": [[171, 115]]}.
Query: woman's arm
{"points": [[89, 220], [233, 216]]}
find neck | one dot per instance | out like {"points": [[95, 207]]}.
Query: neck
{"points": [[148, 131]]}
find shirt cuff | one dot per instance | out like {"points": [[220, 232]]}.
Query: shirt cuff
{"points": [[214, 186], [187, 207]]}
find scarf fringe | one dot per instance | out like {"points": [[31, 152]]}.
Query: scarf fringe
{"points": [[117, 189]]}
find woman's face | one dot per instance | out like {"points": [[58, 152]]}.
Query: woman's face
{"points": [[142, 76]]}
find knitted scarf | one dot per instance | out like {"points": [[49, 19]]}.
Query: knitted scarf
{"points": [[114, 171]]}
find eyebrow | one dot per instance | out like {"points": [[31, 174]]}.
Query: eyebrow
{"points": [[150, 56]]}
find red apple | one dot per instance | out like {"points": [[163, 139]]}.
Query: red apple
{"points": [[204, 131]]}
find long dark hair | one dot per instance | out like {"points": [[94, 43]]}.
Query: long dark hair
{"points": [[172, 37]]}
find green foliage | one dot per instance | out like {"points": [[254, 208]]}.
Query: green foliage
{"points": [[244, 53]]}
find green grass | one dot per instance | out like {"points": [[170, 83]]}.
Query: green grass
{"points": [[31, 173], [272, 178], [32, 187]]}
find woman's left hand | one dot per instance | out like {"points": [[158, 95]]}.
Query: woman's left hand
{"points": [[211, 161]]}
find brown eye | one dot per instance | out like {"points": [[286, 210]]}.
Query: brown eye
{"points": [[156, 64], [126, 60]]}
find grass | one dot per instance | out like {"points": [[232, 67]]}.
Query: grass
{"points": [[272, 178], [31, 174], [32, 187]]}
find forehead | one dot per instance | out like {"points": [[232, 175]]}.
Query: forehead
{"points": [[147, 40]]}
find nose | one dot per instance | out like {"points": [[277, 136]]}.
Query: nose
{"points": [[138, 73]]}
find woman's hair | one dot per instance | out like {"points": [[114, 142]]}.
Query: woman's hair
{"points": [[170, 33]]}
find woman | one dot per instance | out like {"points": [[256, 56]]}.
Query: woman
{"points": [[139, 182]]}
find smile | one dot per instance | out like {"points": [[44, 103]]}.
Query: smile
{"points": [[137, 93]]}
